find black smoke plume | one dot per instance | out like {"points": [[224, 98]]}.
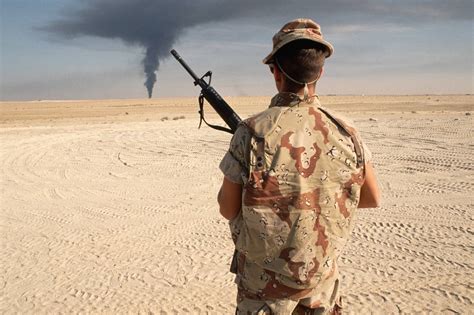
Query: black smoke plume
{"points": [[152, 24], [157, 24]]}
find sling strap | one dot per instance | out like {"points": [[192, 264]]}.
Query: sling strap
{"points": [[201, 117]]}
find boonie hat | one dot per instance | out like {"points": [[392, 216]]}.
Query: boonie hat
{"points": [[296, 30]]}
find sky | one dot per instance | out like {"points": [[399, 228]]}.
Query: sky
{"points": [[96, 49]]}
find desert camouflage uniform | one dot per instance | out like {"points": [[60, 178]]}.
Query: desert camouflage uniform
{"points": [[301, 181]]}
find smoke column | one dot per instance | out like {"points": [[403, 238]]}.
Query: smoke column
{"points": [[150, 64], [156, 24]]}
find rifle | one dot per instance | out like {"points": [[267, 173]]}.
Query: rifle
{"points": [[212, 97]]}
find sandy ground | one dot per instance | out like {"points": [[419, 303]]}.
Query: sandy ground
{"points": [[109, 207]]}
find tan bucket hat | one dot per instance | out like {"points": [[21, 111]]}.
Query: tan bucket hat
{"points": [[295, 30]]}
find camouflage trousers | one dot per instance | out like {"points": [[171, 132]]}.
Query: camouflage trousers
{"points": [[247, 306]]}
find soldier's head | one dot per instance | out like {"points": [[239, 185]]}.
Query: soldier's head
{"points": [[298, 55]]}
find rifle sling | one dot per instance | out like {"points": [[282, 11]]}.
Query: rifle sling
{"points": [[201, 117]]}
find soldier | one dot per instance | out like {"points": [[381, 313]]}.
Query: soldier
{"points": [[294, 176]]}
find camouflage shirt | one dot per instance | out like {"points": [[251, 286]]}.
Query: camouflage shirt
{"points": [[301, 181]]}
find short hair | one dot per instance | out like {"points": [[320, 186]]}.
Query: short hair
{"points": [[302, 60]]}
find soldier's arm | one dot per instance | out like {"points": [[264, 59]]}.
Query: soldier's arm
{"points": [[369, 193], [229, 199]]}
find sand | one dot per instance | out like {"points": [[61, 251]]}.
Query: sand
{"points": [[110, 207]]}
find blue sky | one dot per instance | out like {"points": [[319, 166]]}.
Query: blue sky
{"points": [[386, 47]]}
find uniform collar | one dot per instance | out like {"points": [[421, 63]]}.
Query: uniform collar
{"points": [[292, 99]]}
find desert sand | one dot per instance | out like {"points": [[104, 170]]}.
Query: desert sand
{"points": [[109, 206]]}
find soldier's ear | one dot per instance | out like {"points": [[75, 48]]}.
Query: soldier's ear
{"points": [[279, 79], [321, 72], [277, 74]]}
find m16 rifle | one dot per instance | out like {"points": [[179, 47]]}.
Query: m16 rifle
{"points": [[213, 98]]}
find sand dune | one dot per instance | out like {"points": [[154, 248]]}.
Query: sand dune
{"points": [[109, 207]]}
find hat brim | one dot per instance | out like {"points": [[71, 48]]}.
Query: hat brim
{"points": [[329, 48]]}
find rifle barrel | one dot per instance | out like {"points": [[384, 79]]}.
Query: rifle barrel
{"points": [[185, 65]]}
